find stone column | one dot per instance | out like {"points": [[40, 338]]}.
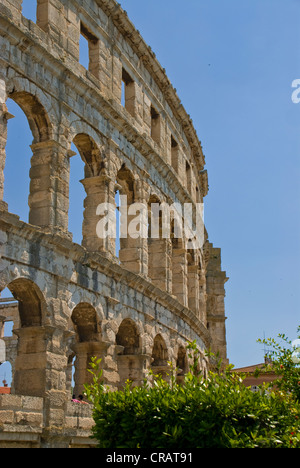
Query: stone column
{"points": [[159, 266], [179, 273], [100, 190], [39, 366], [133, 252], [193, 288], [31, 362], [49, 186], [57, 394]]}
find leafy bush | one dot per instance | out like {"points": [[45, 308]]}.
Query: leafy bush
{"points": [[283, 364], [218, 411]]}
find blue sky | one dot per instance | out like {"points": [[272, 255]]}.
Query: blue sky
{"points": [[233, 64]]}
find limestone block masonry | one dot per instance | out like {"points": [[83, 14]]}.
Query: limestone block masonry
{"points": [[136, 310]]}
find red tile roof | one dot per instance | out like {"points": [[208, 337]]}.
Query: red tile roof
{"points": [[4, 390]]}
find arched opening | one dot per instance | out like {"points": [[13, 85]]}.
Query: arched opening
{"points": [[30, 302], [159, 352], [159, 244], [27, 173], [126, 246], [125, 184], [87, 345], [84, 318], [26, 348], [128, 337], [132, 364], [37, 117], [90, 155], [84, 197], [17, 165], [181, 364], [9, 319], [159, 364]]}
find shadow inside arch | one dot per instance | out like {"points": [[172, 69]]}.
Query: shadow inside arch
{"points": [[36, 114], [31, 301]]}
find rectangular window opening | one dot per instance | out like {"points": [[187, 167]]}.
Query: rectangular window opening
{"points": [[84, 52], [128, 92], [174, 154], [29, 10], [89, 54], [188, 176], [155, 125]]}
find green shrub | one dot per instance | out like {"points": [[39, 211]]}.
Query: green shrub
{"points": [[218, 411], [283, 364]]}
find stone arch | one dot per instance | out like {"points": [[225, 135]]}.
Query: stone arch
{"points": [[159, 352], [90, 154], [126, 183], [87, 345], [86, 324], [160, 358], [132, 364], [128, 337], [31, 302], [92, 164], [41, 128], [36, 114], [29, 376], [15, 153], [86, 138]]}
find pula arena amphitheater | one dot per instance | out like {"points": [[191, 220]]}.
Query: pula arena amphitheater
{"points": [[136, 310]]}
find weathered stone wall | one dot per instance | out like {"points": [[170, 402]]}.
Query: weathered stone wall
{"points": [[21, 421], [137, 310]]}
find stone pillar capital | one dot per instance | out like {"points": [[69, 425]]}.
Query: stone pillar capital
{"points": [[46, 145], [4, 112], [97, 181]]}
